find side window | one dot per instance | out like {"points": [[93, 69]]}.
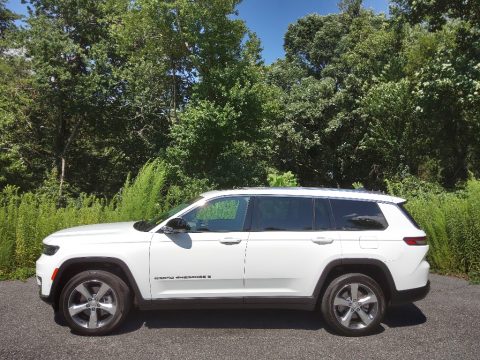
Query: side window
{"points": [[358, 215], [322, 215], [283, 214], [225, 214]]}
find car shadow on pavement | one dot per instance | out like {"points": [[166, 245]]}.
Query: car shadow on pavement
{"points": [[400, 316], [405, 315], [223, 319]]}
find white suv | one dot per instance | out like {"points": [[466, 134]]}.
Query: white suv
{"points": [[348, 253]]}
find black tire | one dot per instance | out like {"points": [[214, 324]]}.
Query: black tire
{"points": [[352, 312], [110, 309]]}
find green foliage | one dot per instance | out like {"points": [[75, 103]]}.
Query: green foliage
{"points": [[106, 81], [27, 218], [102, 86], [14, 84], [227, 140], [320, 130], [313, 41], [141, 199], [7, 18], [364, 98], [358, 185], [436, 12], [287, 179], [412, 187], [451, 221]]}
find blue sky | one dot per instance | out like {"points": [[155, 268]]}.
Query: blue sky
{"points": [[270, 18]]}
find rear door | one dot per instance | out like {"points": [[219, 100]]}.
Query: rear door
{"points": [[361, 225], [290, 244]]}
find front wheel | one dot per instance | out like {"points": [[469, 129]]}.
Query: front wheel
{"points": [[95, 302], [353, 305]]}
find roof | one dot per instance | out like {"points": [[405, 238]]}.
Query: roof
{"points": [[308, 191]]}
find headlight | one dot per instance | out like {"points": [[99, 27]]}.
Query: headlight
{"points": [[50, 249]]}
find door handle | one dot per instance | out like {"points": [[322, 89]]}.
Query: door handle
{"points": [[230, 241], [322, 240]]}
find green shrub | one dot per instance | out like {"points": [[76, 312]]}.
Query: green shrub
{"points": [[8, 220], [286, 179], [451, 221], [142, 198], [26, 219]]}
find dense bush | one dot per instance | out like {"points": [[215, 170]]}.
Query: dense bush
{"points": [[26, 219], [451, 221], [276, 178]]}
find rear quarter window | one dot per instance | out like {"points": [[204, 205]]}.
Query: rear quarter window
{"points": [[408, 215], [357, 215]]}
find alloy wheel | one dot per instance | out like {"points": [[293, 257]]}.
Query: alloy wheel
{"points": [[355, 306], [92, 304]]}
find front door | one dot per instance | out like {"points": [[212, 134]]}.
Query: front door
{"points": [[208, 260]]}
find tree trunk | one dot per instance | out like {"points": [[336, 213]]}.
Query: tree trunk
{"points": [[63, 155], [62, 175]]}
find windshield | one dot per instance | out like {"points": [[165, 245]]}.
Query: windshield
{"points": [[147, 225]]}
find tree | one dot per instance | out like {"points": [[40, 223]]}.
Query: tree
{"points": [[321, 125], [227, 140], [350, 7], [446, 91], [74, 118], [391, 143], [207, 85], [7, 20], [313, 41], [14, 98], [443, 66], [365, 97], [438, 12]]}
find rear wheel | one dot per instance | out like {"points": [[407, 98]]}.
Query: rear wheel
{"points": [[353, 305], [95, 302]]}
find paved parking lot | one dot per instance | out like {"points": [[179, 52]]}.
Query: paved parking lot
{"points": [[446, 325]]}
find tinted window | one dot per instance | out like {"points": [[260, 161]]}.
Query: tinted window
{"points": [[357, 215], [283, 214], [219, 215], [322, 214]]}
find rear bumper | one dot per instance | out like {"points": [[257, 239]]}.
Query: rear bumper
{"points": [[410, 295]]}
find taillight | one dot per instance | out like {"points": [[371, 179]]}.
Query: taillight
{"points": [[417, 240]]}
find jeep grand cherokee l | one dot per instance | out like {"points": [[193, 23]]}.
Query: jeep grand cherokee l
{"points": [[348, 254]]}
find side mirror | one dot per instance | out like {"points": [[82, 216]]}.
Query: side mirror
{"points": [[175, 225]]}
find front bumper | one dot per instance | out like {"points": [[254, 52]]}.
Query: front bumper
{"points": [[45, 267], [410, 295], [47, 299]]}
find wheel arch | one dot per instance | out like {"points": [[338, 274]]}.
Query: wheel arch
{"points": [[374, 268], [73, 266]]}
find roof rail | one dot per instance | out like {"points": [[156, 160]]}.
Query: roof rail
{"points": [[361, 190]]}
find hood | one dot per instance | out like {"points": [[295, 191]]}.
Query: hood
{"points": [[93, 231]]}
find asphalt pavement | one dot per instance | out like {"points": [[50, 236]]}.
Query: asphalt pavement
{"points": [[445, 325]]}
